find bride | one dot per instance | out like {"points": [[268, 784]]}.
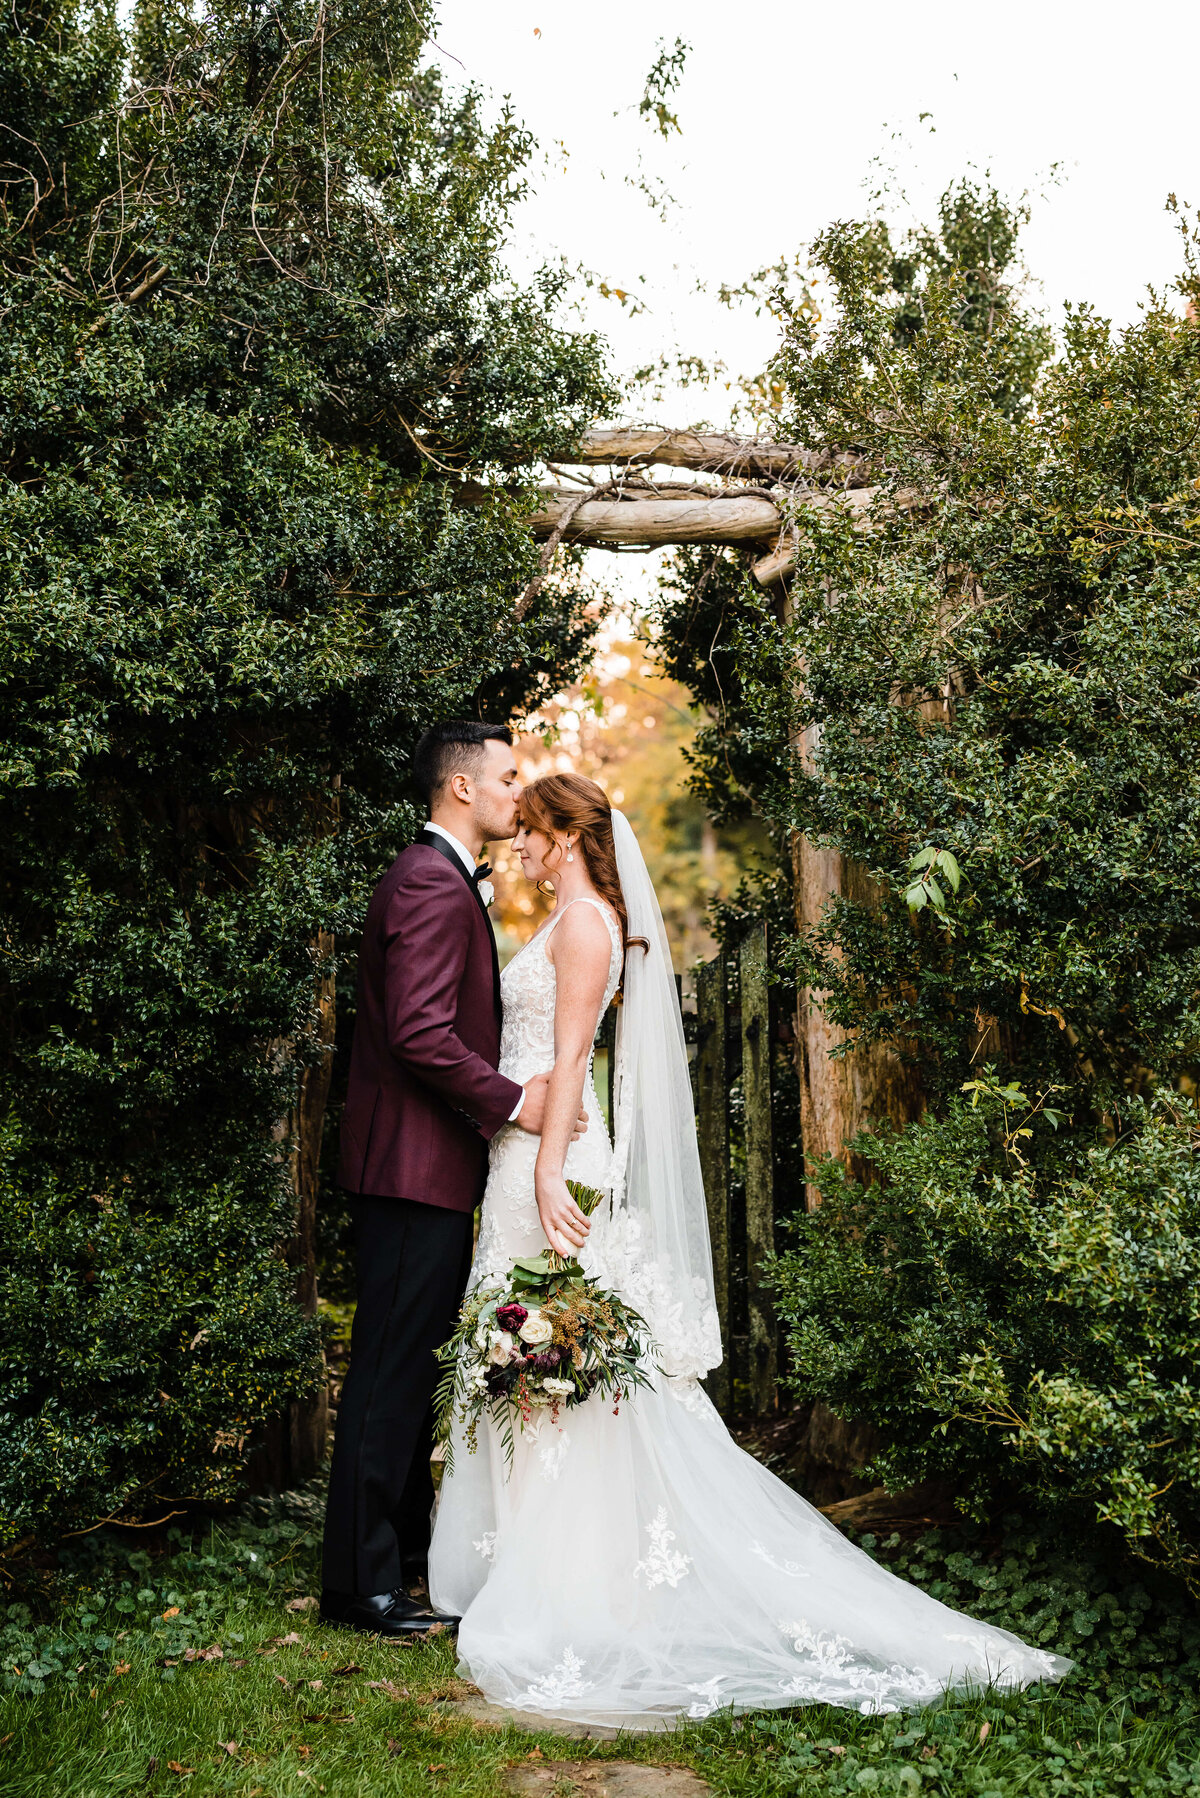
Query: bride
{"points": [[637, 1567]]}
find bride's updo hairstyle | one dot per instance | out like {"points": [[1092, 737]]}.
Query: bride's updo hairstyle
{"points": [[558, 803]]}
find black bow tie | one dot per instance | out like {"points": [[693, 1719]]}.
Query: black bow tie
{"points": [[482, 872]]}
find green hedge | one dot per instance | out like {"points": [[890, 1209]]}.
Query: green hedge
{"points": [[235, 589], [1003, 668], [143, 1341], [1017, 1332]]}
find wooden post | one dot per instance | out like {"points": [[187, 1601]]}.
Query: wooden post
{"points": [[712, 1116], [838, 1097], [292, 1446], [760, 1196]]}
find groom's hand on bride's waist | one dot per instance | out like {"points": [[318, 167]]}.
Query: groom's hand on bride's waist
{"points": [[533, 1110]]}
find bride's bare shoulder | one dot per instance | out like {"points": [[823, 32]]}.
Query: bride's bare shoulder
{"points": [[581, 937]]}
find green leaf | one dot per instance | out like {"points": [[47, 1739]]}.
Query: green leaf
{"points": [[537, 1266], [950, 868]]}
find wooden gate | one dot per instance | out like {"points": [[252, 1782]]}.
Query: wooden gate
{"points": [[729, 1036]]}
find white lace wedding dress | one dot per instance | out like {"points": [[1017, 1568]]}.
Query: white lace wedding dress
{"points": [[632, 1568]]}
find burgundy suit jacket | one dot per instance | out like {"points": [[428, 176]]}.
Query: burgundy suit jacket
{"points": [[424, 1096]]}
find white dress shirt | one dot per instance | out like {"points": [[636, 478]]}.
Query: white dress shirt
{"points": [[464, 854], [468, 862]]}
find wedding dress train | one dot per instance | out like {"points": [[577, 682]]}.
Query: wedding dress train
{"points": [[636, 1566]]}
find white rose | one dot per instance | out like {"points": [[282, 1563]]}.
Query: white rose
{"points": [[562, 1387], [536, 1328], [486, 891], [500, 1348]]}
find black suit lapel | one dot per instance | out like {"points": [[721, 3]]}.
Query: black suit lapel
{"points": [[433, 841]]}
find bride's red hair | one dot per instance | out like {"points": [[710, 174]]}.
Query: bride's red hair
{"points": [[570, 802]]}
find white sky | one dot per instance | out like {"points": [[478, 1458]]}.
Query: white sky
{"points": [[789, 111], [783, 108]]}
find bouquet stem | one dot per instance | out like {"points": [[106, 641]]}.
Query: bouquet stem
{"points": [[587, 1198]]}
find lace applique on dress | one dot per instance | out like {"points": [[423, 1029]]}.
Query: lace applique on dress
{"points": [[490, 1260], [528, 989], [708, 1698], [683, 1337], [834, 1673], [663, 1564], [563, 1682]]}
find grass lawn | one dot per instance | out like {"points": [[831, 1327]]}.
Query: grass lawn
{"points": [[181, 1668]]}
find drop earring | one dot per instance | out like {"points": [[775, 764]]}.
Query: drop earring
{"points": [[570, 855]]}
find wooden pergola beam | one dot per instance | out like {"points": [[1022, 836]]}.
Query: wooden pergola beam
{"points": [[643, 519], [715, 452], [648, 521]]}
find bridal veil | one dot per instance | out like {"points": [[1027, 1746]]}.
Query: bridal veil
{"points": [[658, 1184]]}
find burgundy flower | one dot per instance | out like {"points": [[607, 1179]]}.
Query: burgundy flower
{"points": [[511, 1317], [546, 1361]]}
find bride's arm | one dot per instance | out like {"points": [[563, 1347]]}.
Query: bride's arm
{"points": [[580, 949]]}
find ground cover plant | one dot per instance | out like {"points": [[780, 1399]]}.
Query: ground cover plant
{"points": [[257, 331], [197, 1665]]}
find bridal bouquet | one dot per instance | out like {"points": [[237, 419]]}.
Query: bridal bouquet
{"points": [[546, 1338]]}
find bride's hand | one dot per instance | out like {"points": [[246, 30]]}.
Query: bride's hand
{"points": [[563, 1223], [533, 1110]]}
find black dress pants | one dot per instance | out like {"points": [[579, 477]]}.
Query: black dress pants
{"points": [[412, 1266]]}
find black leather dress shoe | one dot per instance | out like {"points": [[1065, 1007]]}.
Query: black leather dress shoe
{"points": [[383, 1614]]}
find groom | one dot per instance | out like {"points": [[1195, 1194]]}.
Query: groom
{"points": [[423, 1101]]}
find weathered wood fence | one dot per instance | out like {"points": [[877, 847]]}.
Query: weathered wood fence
{"points": [[730, 1033]]}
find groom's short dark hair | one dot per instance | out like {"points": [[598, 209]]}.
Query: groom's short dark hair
{"points": [[455, 747]]}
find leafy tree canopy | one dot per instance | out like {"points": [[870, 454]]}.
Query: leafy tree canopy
{"points": [[1001, 665]]}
